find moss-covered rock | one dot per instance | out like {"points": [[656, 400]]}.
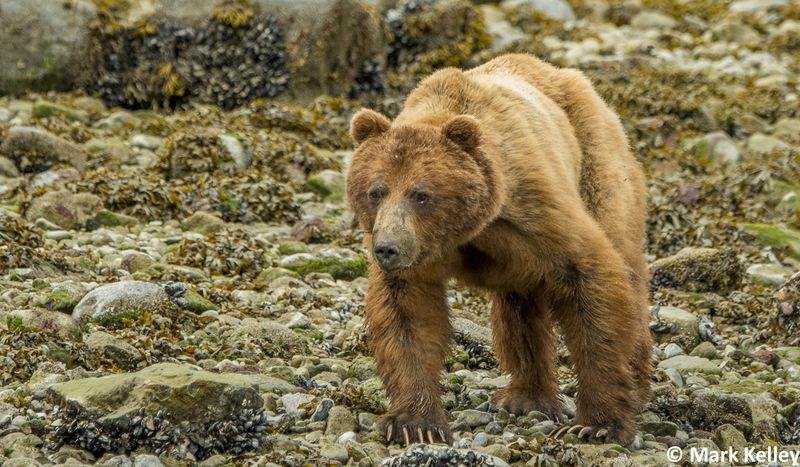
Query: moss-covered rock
{"points": [[45, 321], [203, 222], [47, 109], [106, 218], [676, 325], [112, 304], [328, 184], [192, 301], [63, 298], [268, 275], [339, 268], [291, 248]]}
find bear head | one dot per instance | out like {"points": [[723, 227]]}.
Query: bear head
{"points": [[418, 190]]}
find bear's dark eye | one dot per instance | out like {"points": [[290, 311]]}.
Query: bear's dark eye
{"points": [[375, 194], [421, 197]]}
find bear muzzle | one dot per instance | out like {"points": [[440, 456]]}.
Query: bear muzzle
{"points": [[394, 245]]}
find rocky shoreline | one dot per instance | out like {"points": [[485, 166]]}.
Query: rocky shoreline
{"points": [[182, 283]]}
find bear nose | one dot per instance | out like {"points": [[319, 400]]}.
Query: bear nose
{"points": [[387, 253]]}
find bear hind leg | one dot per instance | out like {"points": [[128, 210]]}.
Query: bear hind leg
{"points": [[525, 345]]}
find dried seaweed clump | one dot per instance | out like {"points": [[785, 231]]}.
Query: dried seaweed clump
{"points": [[707, 210], [229, 252], [324, 124], [21, 245], [785, 319], [249, 197], [432, 34], [229, 60], [688, 100], [22, 350], [197, 151]]}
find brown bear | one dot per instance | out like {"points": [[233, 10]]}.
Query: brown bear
{"points": [[513, 177]]}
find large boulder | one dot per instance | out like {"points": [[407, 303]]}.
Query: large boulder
{"points": [[328, 43], [44, 44], [65, 209], [230, 53], [160, 407], [36, 150]]}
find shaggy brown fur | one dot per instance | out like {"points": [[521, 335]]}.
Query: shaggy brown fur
{"points": [[514, 177]]}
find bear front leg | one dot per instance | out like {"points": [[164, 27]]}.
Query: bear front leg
{"points": [[600, 316], [524, 341], [409, 332]]}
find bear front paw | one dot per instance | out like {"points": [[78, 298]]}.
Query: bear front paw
{"points": [[406, 429], [520, 404], [608, 434]]}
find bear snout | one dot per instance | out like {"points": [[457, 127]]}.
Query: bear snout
{"points": [[387, 253]]}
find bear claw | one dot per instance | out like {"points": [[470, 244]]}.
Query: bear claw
{"points": [[587, 433], [406, 430]]}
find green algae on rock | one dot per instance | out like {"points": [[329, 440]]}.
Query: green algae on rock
{"points": [[783, 239], [339, 268]]}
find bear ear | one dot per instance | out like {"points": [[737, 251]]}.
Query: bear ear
{"points": [[464, 130], [366, 124]]}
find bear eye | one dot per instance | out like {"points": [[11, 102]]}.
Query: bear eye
{"points": [[375, 194], [421, 197]]}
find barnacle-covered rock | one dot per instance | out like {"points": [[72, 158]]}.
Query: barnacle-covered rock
{"points": [[161, 407], [476, 341], [698, 270], [36, 150], [421, 454], [710, 408], [430, 34], [232, 52]]}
